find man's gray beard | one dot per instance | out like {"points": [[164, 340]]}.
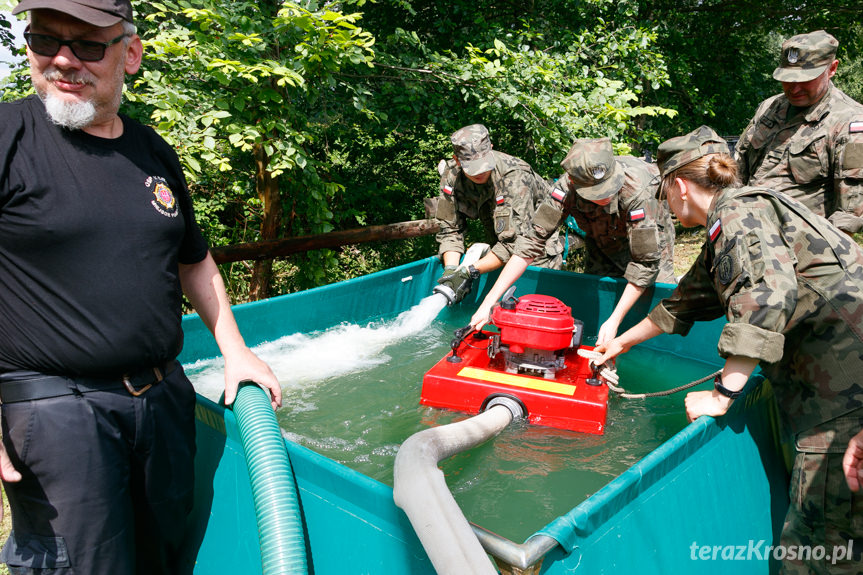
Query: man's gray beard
{"points": [[71, 115]]}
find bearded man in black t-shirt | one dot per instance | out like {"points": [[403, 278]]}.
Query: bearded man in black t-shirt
{"points": [[98, 243]]}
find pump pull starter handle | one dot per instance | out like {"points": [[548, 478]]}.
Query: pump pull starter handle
{"points": [[509, 300]]}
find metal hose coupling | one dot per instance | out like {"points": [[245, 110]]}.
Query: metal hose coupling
{"points": [[515, 407], [446, 292]]}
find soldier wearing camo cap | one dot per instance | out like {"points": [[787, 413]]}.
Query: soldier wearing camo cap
{"points": [[628, 232], [808, 141], [790, 285], [498, 189]]}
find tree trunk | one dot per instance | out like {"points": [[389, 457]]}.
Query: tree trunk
{"points": [[267, 188]]}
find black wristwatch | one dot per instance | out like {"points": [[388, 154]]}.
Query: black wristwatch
{"points": [[474, 273], [717, 384]]}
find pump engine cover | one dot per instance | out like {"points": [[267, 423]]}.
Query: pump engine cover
{"points": [[536, 321]]}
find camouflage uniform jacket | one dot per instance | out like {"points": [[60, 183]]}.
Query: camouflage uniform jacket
{"points": [[816, 156], [791, 286], [505, 204], [631, 237]]}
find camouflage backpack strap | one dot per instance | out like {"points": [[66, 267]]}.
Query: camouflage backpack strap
{"points": [[819, 224]]}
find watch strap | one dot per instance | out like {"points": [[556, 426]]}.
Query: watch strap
{"points": [[717, 384]]}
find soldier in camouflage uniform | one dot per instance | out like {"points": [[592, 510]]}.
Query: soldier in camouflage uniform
{"points": [[791, 287], [808, 141], [628, 232], [852, 463], [500, 190]]}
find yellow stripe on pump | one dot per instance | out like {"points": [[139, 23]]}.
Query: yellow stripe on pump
{"points": [[517, 381]]}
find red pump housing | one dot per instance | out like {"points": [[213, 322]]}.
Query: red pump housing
{"points": [[533, 358]]}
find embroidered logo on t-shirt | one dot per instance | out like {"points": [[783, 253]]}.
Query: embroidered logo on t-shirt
{"points": [[164, 200]]}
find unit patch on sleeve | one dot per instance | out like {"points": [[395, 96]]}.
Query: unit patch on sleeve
{"points": [[636, 215], [725, 269], [447, 190], [855, 127]]}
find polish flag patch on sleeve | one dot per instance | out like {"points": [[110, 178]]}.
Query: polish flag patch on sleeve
{"points": [[636, 215], [855, 127], [447, 190], [558, 194], [715, 230], [499, 200]]}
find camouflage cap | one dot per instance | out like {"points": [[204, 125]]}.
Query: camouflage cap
{"points": [[806, 56], [473, 149], [677, 152], [591, 168]]}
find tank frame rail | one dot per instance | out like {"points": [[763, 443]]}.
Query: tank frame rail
{"points": [[515, 558]]}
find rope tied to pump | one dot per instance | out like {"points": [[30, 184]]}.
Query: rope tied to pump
{"points": [[611, 378]]}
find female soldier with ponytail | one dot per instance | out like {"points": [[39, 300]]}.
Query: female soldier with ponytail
{"points": [[791, 287]]}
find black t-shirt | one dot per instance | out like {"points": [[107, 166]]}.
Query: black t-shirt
{"points": [[91, 232]]}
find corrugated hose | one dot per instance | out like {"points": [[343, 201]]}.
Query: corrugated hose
{"points": [[277, 504]]}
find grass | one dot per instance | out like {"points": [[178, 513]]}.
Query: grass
{"points": [[687, 246]]}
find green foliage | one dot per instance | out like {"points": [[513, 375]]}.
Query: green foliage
{"points": [[849, 76], [222, 77], [536, 85], [224, 80], [722, 54], [351, 112]]}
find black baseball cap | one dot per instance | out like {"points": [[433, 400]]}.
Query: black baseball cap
{"points": [[101, 13]]}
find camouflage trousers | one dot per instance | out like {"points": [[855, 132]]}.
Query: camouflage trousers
{"points": [[823, 531]]}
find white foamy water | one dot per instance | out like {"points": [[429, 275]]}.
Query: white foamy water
{"points": [[301, 359]]}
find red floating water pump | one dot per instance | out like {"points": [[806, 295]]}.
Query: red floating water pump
{"points": [[533, 358]]}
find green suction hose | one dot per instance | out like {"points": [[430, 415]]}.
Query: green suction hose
{"points": [[277, 505]]}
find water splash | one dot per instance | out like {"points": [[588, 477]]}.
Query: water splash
{"points": [[299, 360]]}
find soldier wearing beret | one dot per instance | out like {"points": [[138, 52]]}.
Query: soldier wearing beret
{"points": [[628, 232], [500, 190], [790, 285], [808, 141]]}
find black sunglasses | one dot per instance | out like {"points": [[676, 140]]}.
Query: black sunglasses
{"points": [[84, 50]]}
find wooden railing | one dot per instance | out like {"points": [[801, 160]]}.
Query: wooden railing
{"points": [[271, 249]]}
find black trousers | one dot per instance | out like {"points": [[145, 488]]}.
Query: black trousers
{"points": [[107, 482]]}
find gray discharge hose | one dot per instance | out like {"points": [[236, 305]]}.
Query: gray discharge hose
{"points": [[420, 489], [277, 505]]}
